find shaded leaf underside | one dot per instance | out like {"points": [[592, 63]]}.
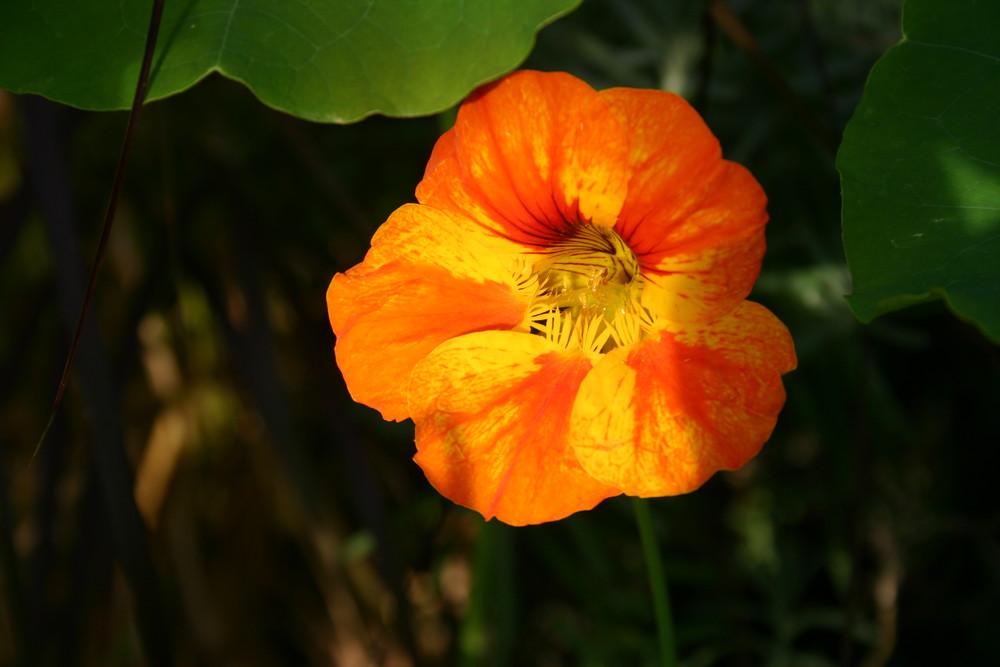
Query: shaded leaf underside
{"points": [[320, 60]]}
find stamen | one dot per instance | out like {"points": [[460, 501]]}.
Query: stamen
{"points": [[585, 292]]}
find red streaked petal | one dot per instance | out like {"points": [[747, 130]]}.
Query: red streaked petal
{"points": [[428, 277], [662, 417], [529, 155], [695, 221], [388, 319], [492, 411]]}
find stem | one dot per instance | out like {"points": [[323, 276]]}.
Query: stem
{"points": [[141, 87], [657, 583]]}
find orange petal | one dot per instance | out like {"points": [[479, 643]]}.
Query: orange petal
{"points": [[530, 154], [695, 221], [422, 235], [492, 412], [662, 417], [425, 280]]}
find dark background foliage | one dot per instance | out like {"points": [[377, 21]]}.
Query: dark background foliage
{"points": [[283, 525]]}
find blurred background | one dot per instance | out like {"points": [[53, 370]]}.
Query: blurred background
{"points": [[275, 522]]}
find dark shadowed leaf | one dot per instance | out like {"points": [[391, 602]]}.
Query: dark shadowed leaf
{"points": [[331, 61], [920, 168]]}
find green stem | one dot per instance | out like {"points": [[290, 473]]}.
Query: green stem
{"points": [[657, 583]]}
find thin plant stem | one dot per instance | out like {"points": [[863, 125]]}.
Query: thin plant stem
{"points": [[657, 583], [141, 87]]}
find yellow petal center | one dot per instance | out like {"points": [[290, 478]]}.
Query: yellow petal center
{"points": [[586, 290]]}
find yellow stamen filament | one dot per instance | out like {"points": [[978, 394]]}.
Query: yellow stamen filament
{"points": [[585, 292]]}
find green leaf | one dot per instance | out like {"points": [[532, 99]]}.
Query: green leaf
{"points": [[324, 60], [920, 168]]}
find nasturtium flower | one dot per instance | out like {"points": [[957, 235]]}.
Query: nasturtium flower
{"points": [[563, 314]]}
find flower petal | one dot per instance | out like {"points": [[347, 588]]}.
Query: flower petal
{"points": [[695, 221], [425, 280], [422, 235], [492, 411], [661, 418], [529, 155]]}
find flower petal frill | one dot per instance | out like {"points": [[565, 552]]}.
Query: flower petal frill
{"points": [[427, 278], [662, 417], [695, 221], [528, 156], [493, 412]]}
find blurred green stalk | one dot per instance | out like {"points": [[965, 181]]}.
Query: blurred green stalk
{"points": [[488, 634], [657, 583]]}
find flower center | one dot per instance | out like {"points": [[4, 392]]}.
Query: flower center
{"points": [[586, 292]]}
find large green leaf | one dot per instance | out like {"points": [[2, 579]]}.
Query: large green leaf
{"points": [[920, 167], [325, 60]]}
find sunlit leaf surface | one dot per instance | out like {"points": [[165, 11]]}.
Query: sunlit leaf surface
{"points": [[920, 168], [332, 61]]}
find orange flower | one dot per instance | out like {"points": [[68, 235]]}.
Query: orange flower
{"points": [[562, 315]]}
